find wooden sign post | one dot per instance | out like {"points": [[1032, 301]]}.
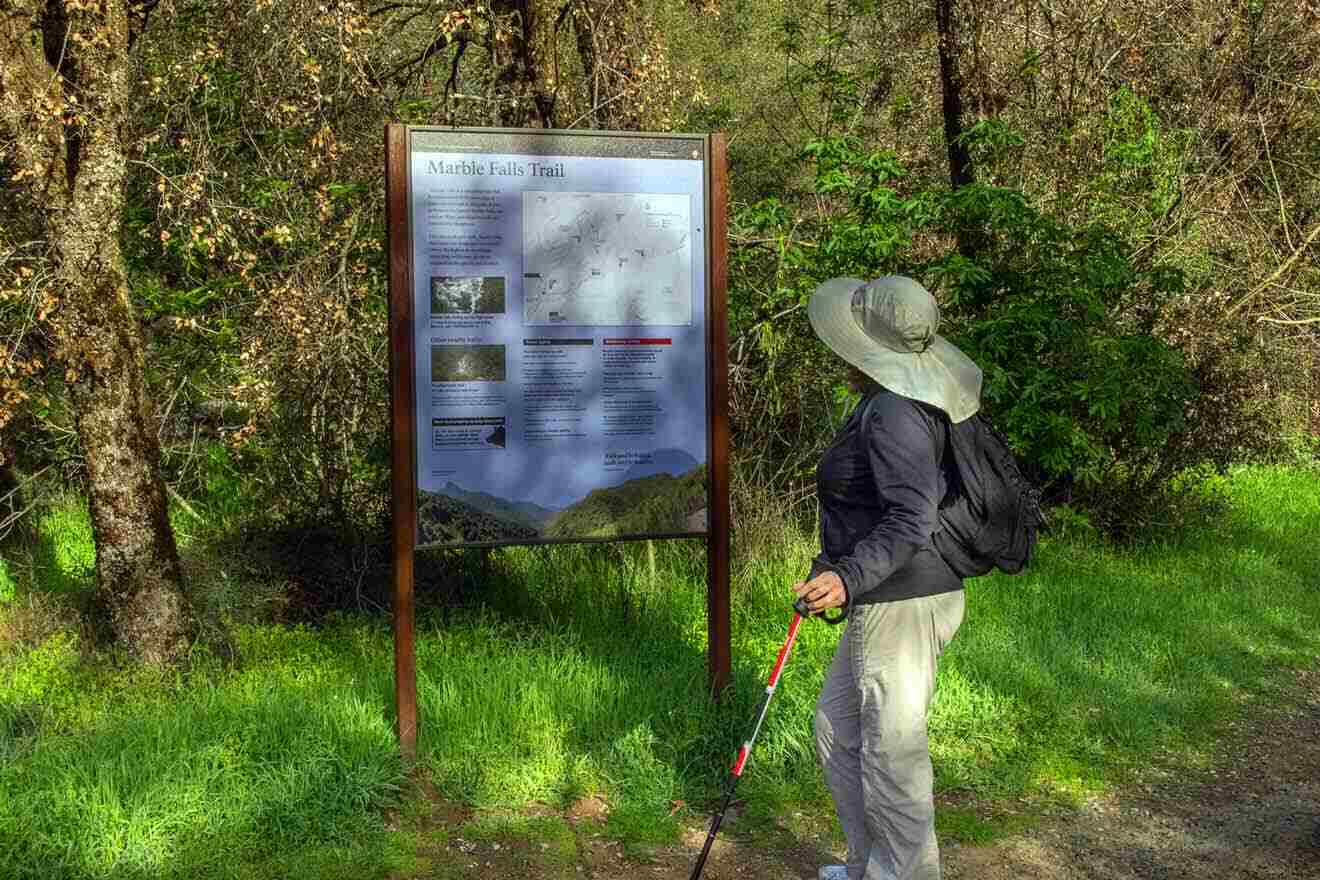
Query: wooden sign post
{"points": [[719, 641], [403, 467]]}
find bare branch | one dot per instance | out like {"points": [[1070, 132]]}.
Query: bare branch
{"points": [[1277, 273], [437, 45], [1278, 190], [1294, 322], [390, 7], [451, 84]]}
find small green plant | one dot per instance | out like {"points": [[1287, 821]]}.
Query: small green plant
{"points": [[963, 825], [1142, 177], [65, 554], [8, 589]]}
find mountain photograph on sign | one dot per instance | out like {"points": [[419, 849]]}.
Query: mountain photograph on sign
{"points": [[522, 513], [664, 495], [675, 462], [651, 504], [446, 519]]}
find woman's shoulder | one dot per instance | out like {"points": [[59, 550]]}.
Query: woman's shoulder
{"points": [[894, 418], [885, 406]]}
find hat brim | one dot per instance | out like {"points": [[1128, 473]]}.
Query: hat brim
{"points": [[941, 376]]}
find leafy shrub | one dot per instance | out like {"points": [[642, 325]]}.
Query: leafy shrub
{"points": [[1064, 319]]}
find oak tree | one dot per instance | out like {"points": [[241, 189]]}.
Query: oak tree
{"points": [[64, 100]]}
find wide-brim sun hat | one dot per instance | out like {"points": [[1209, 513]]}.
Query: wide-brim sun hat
{"points": [[887, 329]]}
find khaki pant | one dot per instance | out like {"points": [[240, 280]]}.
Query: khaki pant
{"points": [[871, 734]]}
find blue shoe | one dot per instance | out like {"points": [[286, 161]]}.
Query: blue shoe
{"points": [[832, 872]]}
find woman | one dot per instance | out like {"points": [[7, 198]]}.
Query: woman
{"points": [[879, 487]]}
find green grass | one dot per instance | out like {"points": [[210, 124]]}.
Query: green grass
{"points": [[580, 672], [126, 773]]}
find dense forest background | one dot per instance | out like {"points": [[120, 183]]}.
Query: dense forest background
{"points": [[1117, 203]]}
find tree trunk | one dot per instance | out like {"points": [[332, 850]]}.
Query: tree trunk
{"points": [[72, 156], [533, 76], [605, 47], [951, 80]]}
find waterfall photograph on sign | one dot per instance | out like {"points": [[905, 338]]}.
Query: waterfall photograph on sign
{"points": [[467, 295], [467, 363]]}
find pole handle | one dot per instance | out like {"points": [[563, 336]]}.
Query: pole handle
{"points": [[800, 606]]}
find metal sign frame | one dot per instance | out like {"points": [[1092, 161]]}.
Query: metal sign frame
{"points": [[398, 191]]}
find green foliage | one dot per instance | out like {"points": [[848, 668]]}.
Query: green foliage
{"points": [[44, 674], [831, 65], [8, 589], [650, 785], [1141, 180], [65, 554], [223, 486], [1060, 320], [155, 300], [875, 223], [124, 773], [445, 520], [1059, 317], [962, 824]]}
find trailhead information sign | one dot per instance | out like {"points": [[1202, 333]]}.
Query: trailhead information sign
{"points": [[560, 303]]}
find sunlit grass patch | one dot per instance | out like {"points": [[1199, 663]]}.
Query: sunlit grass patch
{"points": [[1105, 656], [158, 779], [962, 824], [63, 558], [367, 853]]}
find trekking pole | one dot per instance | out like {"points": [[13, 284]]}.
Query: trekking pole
{"points": [[800, 607]]}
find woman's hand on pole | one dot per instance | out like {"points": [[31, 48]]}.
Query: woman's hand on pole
{"points": [[825, 590]]}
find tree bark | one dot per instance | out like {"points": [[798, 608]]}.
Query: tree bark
{"points": [[533, 77], [949, 28], [68, 146], [605, 47]]}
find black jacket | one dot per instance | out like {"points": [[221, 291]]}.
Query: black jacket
{"points": [[879, 487]]}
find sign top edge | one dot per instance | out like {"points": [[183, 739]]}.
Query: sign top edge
{"points": [[557, 142], [542, 132]]}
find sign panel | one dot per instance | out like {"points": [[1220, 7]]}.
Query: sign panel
{"points": [[560, 302]]}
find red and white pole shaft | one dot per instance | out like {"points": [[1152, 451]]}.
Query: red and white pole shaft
{"points": [[746, 749], [769, 692]]}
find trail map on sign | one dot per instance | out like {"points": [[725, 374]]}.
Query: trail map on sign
{"points": [[606, 258]]}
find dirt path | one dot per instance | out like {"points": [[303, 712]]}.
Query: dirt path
{"points": [[1253, 814]]}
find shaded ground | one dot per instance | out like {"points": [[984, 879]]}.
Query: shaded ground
{"points": [[1253, 813]]}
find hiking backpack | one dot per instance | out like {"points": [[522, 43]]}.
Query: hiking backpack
{"points": [[991, 512]]}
